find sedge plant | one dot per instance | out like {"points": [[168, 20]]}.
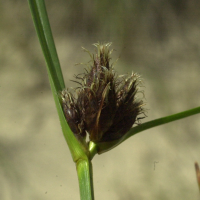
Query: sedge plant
{"points": [[104, 105]]}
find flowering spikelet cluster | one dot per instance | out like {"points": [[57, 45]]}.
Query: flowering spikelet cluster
{"points": [[105, 106]]}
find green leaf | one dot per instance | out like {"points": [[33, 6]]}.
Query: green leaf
{"points": [[42, 26], [106, 146]]}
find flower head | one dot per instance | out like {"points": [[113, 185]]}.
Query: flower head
{"points": [[106, 106]]}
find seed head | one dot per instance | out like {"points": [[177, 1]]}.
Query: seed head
{"points": [[106, 106]]}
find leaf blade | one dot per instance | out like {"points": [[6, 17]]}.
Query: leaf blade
{"points": [[42, 26]]}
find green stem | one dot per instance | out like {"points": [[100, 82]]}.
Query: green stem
{"points": [[78, 150], [84, 171]]}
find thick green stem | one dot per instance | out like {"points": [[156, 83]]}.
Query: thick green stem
{"points": [[84, 171]]}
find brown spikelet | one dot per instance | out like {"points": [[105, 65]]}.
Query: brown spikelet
{"points": [[106, 105]]}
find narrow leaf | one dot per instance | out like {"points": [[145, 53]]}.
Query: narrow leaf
{"points": [[103, 147], [42, 26]]}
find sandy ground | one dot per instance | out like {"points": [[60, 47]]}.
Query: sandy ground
{"points": [[35, 162]]}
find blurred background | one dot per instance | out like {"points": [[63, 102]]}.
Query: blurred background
{"points": [[160, 40]]}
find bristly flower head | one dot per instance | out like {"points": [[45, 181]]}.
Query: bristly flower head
{"points": [[106, 106]]}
